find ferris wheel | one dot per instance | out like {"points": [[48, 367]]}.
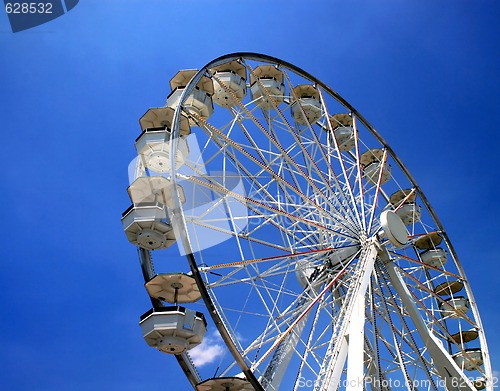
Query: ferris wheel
{"points": [[311, 259]]}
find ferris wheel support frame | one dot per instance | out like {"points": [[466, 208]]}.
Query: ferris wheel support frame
{"points": [[356, 330]]}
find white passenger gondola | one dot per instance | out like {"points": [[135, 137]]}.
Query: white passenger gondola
{"points": [[173, 329], [153, 145], [146, 225], [154, 189], [266, 86], [406, 208], [470, 359], [436, 257], [410, 213], [431, 255], [199, 101], [160, 118], [428, 241], [371, 163], [454, 307], [232, 75], [342, 126], [307, 103]]}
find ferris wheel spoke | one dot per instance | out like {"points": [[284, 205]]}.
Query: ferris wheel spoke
{"points": [[272, 138], [374, 376], [272, 331], [422, 264], [210, 184], [284, 316], [377, 191], [278, 365], [341, 160], [359, 171], [302, 315], [263, 166], [263, 187], [384, 312], [282, 355], [403, 358], [227, 232], [341, 341], [268, 259], [308, 348], [316, 142], [290, 160]]}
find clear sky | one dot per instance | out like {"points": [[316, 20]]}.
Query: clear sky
{"points": [[424, 73]]}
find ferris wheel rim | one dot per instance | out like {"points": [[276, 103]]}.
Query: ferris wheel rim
{"points": [[178, 213]]}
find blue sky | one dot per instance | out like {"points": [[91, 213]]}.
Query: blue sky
{"points": [[424, 73]]}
